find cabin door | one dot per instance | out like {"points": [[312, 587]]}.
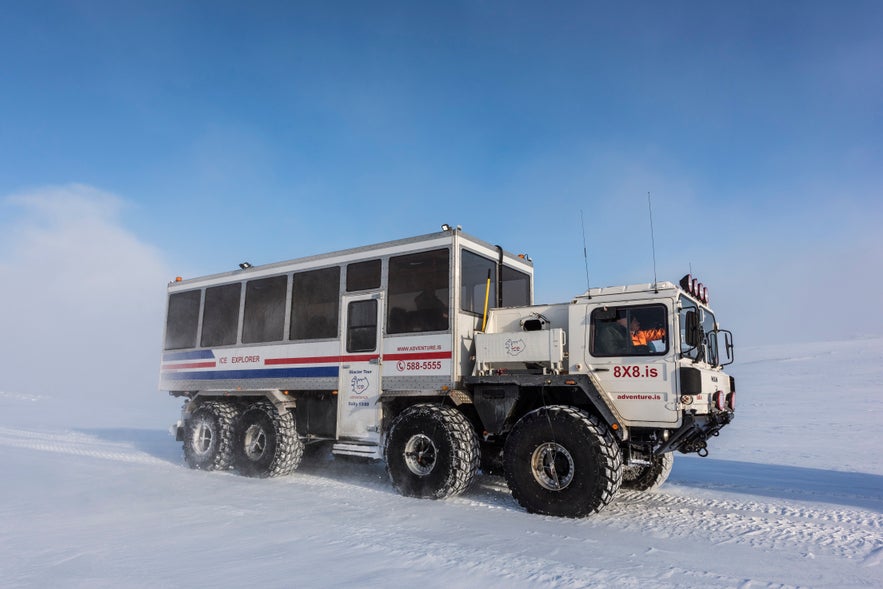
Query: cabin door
{"points": [[358, 407]]}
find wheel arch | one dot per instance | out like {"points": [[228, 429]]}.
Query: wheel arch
{"points": [[520, 394], [394, 403], [279, 398]]}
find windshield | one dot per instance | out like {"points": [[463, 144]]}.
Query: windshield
{"points": [[698, 338]]}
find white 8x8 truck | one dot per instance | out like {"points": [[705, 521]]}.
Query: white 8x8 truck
{"points": [[428, 353]]}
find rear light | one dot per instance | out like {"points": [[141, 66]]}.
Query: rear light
{"points": [[719, 400], [731, 401]]}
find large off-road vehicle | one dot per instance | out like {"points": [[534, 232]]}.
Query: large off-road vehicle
{"points": [[428, 353]]}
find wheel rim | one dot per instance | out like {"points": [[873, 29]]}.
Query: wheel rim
{"points": [[420, 455], [202, 438], [255, 442], [552, 466]]}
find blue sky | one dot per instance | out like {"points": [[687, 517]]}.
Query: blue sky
{"points": [[195, 135]]}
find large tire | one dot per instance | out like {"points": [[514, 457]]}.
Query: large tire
{"points": [[562, 461], [648, 477], [208, 436], [431, 452], [266, 442]]}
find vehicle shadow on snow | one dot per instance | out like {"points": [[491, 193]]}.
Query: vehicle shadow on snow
{"points": [[156, 443], [853, 489]]}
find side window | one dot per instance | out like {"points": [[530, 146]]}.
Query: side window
{"points": [[315, 304], [516, 288], [363, 275], [629, 331], [182, 320], [264, 318], [419, 295], [361, 326], [220, 318], [474, 271]]}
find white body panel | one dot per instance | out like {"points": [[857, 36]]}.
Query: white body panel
{"points": [[544, 347]]}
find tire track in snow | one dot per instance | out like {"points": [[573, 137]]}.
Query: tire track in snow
{"points": [[844, 533], [853, 534], [495, 567], [783, 508], [76, 444], [811, 530]]}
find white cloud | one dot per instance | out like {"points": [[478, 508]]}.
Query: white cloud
{"points": [[82, 299]]}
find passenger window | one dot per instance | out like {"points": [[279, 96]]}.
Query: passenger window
{"points": [[361, 326], [474, 287], [315, 304], [182, 320], [516, 288], [264, 319], [220, 318], [419, 295], [629, 331], [363, 275]]}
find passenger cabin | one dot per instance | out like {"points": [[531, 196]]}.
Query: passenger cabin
{"points": [[396, 317]]}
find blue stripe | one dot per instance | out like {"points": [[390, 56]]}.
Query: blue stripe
{"points": [[310, 372], [194, 355]]}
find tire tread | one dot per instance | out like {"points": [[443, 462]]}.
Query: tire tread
{"points": [[289, 447], [465, 452], [226, 414], [608, 449]]}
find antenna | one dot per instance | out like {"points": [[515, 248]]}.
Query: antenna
{"points": [[652, 242], [585, 255]]}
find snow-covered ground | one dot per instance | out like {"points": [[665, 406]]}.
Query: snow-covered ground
{"points": [[790, 496]]}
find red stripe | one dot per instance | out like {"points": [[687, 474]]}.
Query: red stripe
{"points": [[321, 359], [190, 365], [418, 356]]}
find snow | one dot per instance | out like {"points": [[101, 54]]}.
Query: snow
{"points": [[790, 496]]}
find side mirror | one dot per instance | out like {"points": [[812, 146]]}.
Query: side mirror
{"points": [[728, 357]]}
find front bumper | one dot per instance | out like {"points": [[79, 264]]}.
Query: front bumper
{"points": [[693, 434]]}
